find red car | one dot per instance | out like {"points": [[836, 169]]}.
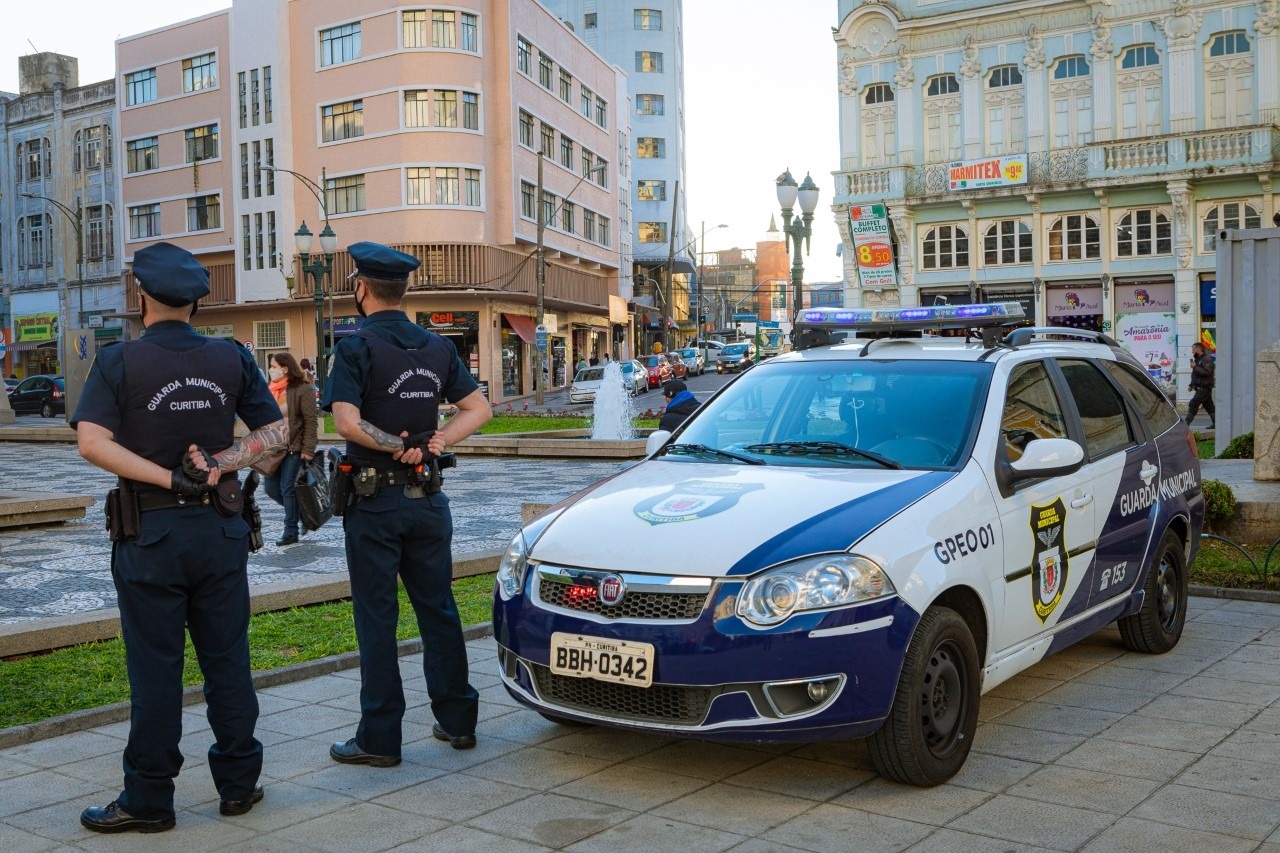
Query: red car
{"points": [[659, 369]]}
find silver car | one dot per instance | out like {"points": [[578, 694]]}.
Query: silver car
{"points": [[587, 381]]}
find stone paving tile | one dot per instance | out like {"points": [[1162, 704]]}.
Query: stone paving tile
{"points": [[310, 691], [22, 793], [1257, 672], [702, 759], [936, 806], [439, 755], [10, 768], [1227, 690], [648, 833], [828, 828], [14, 840], [193, 832], [454, 797], [551, 819], [1191, 709], [466, 839], [849, 753], [1045, 716], [734, 809], [1196, 630], [1266, 721], [1211, 811], [283, 804], [952, 841], [1128, 759], [1033, 822], [756, 845], [801, 777], [1236, 775], [1181, 661], [360, 827], [1063, 668], [1024, 687], [992, 707], [628, 786], [66, 749], [605, 743], [992, 773], [307, 720], [1134, 835], [1142, 681], [1167, 734], [1025, 744], [1081, 694], [360, 781], [1085, 789], [1250, 745], [266, 844], [538, 768]]}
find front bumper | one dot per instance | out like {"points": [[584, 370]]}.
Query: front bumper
{"points": [[715, 676]]}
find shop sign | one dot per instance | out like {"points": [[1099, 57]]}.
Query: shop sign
{"points": [[33, 328], [346, 325], [872, 249], [1074, 301], [1144, 298], [1209, 297], [988, 172], [1153, 340], [449, 321], [225, 331]]}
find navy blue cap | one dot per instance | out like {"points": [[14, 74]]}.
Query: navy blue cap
{"points": [[378, 261], [170, 274]]}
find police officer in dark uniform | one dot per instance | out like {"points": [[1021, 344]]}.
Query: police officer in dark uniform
{"points": [[179, 551], [1202, 371], [385, 390]]}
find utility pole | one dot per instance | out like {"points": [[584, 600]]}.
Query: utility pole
{"points": [[671, 256], [540, 276]]}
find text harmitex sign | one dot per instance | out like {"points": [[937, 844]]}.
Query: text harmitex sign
{"points": [[988, 172]]}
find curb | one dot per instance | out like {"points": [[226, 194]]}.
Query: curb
{"points": [[1266, 596]]}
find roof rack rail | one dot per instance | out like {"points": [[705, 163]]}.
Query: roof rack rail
{"points": [[1025, 335]]}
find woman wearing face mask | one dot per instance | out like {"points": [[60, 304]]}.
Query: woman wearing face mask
{"points": [[297, 400]]}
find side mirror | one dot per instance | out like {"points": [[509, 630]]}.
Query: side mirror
{"points": [[1042, 457], [655, 441]]}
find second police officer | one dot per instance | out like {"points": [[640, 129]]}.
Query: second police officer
{"points": [[385, 390]]}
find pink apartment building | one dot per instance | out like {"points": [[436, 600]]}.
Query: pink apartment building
{"points": [[416, 126]]}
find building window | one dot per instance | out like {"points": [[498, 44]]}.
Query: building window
{"points": [[566, 86], [589, 21], [269, 146], [31, 234], [1144, 232], [945, 247], [144, 221], [648, 19], [527, 195], [1006, 242], [471, 187], [589, 224], [942, 118], [651, 148], [605, 239], [254, 98], [1006, 124], [1227, 216], [257, 169], [566, 217], [548, 140], [879, 126], [566, 151], [246, 242], [653, 232], [522, 54], [526, 129], [470, 32], [470, 110], [1228, 83], [272, 251], [417, 188], [1076, 237], [244, 170], [648, 61], [199, 72], [99, 241], [140, 87], [270, 334], [204, 213], [257, 239], [243, 87], [93, 148], [442, 33], [342, 121], [584, 105], [202, 143], [544, 70], [142, 155], [339, 44], [447, 190], [649, 105], [344, 195], [446, 108], [651, 190], [1140, 85], [1071, 100], [417, 103], [413, 28], [548, 208], [602, 111], [266, 93]]}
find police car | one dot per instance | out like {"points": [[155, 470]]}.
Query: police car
{"points": [[860, 538]]}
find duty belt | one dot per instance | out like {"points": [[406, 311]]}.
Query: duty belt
{"points": [[148, 501], [398, 477]]}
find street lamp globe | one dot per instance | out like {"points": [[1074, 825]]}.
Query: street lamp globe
{"points": [[808, 194], [787, 189], [302, 239], [329, 240]]}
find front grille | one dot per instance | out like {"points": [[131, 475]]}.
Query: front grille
{"points": [[653, 606], [660, 703]]}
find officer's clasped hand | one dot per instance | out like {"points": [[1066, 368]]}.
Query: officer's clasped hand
{"points": [[185, 486], [418, 439], [193, 471]]}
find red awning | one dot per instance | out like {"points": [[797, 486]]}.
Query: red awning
{"points": [[524, 326]]}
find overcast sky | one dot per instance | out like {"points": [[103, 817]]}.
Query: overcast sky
{"points": [[760, 97]]}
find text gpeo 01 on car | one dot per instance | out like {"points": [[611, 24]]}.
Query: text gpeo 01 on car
{"points": [[859, 539]]}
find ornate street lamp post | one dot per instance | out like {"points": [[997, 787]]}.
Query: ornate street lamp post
{"points": [[318, 268], [797, 228], [76, 218]]}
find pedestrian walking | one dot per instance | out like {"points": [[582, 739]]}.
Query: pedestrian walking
{"points": [[594, 360], [150, 412], [1202, 370], [387, 384], [680, 404], [299, 408], [582, 363], [308, 373]]}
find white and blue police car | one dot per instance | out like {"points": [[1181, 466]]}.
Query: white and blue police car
{"points": [[860, 538]]}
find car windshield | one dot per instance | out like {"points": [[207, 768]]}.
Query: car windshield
{"points": [[857, 413], [688, 353], [653, 361], [734, 349], [589, 374], [628, 367]]}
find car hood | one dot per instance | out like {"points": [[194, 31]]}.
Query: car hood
{"points": [[715, 520]]}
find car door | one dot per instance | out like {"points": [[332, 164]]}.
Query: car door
{"points": [[25, 397], [1047, 524]]}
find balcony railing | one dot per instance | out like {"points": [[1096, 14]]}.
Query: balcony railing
{"points": [[222, 286]]}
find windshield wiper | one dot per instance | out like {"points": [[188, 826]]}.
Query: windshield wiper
{"points": [[694, 449], [823, 448]]}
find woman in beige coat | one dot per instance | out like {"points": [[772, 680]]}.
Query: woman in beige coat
{"points": [[297, 399]]}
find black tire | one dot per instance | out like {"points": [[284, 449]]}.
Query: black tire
{"points": [[564, 721], [46, 409], [929, 731], [1156, 628]]}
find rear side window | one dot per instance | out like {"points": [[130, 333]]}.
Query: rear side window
{"points": [[1152, 405], [1031, 410], [1102, 411]]}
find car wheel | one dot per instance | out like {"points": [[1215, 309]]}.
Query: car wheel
{"points": [[563, 721], [929, 731], [1156, 628], [46, 409]]}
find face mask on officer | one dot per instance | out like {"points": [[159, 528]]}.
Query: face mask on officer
{"points": [[360, 302]]}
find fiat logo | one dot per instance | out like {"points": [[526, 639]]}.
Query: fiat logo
{"points": [[612, 588]]}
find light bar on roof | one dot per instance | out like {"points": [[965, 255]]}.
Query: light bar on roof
{"points": [[878, 320]]}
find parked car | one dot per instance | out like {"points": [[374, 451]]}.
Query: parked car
{"points": [[736, 357], [587, 383], [694, 360], [678, 368], [10, 384], [659, 369], [635, 376], [43, 395]]}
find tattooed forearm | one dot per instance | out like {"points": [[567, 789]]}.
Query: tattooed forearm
{"points": [[262, 442], [385, 440]]}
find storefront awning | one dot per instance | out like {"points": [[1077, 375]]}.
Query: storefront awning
{"points": [[524, 326], [30, 345]]}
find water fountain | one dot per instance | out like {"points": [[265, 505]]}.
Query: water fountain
{"points": [[612, 412]]}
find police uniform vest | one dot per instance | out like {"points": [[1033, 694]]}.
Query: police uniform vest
{"points": [[404, 391], [173, 399]]}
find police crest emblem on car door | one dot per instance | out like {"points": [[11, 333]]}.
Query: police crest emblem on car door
{"points": [[1049, 560]]}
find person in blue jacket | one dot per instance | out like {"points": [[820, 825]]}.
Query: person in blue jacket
{"points": [[680, 404]]}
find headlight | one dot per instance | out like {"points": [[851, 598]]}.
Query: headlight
{"points": [[814, 583], [512, 568]]}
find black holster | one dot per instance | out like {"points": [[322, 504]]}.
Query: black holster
{"points": [[340, 487], [250, 513], [123, 516]]}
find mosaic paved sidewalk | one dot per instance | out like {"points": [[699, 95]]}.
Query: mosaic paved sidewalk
{"points": [[65, 569]]}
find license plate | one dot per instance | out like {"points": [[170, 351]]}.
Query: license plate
{"points": [[616, 661]]}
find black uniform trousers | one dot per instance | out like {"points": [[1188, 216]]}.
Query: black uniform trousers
{"points": [[387, 535], [1202, 396], [186, 570]]}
